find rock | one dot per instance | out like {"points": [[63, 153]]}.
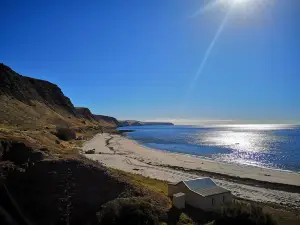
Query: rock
{"points": [[91, 151]]}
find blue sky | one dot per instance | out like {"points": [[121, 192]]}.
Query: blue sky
{"points": [[139, 59]]}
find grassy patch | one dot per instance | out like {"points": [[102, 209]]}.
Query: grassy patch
{"points": [[139, 180]]}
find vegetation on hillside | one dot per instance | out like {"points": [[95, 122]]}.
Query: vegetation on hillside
{"points": [[133, 211], [243, 213], [65, 134]]}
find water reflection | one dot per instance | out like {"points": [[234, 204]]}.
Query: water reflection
{"points": [[237, 140], [275, 146], [247, 146]]}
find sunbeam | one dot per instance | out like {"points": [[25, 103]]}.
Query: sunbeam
{"points": [[205, 8], [209, 49], [232, 7], [203, 62]]}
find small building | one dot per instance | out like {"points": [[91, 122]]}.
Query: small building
{"points": [[201, 193]]}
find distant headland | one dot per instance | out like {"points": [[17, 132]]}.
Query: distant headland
{"points": [[123, 123]]}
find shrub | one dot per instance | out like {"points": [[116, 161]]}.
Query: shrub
{"points": [[65, 134], [133, 211], [184, 220], [246, 214]]}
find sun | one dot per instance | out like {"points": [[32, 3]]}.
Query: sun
{"points": [[236, 2], [240, 1], [241, 5]]}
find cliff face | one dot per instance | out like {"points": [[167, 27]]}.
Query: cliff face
{"points": [[26, 89], [111, 121], [84, 113], [32, 103]]}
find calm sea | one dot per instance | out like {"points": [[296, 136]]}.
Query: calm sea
{"points": [[271, 146]]}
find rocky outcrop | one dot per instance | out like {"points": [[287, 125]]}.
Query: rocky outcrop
{"points": [[31, 103], [111, 121], [84, 113], [106, 121], [26, 89]]}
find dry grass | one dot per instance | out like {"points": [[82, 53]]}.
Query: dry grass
{"points": [[139, 180], [44, 137], [15, 113]]}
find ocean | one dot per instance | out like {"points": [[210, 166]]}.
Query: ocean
{"points": [[268, 146]]}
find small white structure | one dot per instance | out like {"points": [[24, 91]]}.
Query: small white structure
{"points": [[179, 200], [200, 193]]}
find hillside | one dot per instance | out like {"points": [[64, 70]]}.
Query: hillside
{"points": [[124, 123], [28, 102], [84, 113], [32, 103], [69, 191], [110, 121]]}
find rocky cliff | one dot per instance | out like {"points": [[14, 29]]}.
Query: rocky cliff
{"points": [[26, 90], [84, 113], [32, 103], [111, 121]]}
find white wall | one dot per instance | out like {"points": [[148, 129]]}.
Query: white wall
{"points": [[206, 203], [195, 200], [198, 201]]}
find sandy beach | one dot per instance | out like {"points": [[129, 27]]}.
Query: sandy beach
{"points": [[248, 182]]}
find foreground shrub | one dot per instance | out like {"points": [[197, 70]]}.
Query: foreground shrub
{"points": [[133, 211], [245, 214], [65, 134], [184, 220]]}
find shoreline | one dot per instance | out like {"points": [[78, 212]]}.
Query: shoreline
{"points": [[247, 182], [263, 178], [212, 160], [243, 180]]}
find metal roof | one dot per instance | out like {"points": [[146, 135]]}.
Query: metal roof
{"points": [[204, 186], [211, 191], [200, 183]]}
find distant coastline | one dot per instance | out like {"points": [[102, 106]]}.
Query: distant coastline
{"points": [[125, 123]]}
